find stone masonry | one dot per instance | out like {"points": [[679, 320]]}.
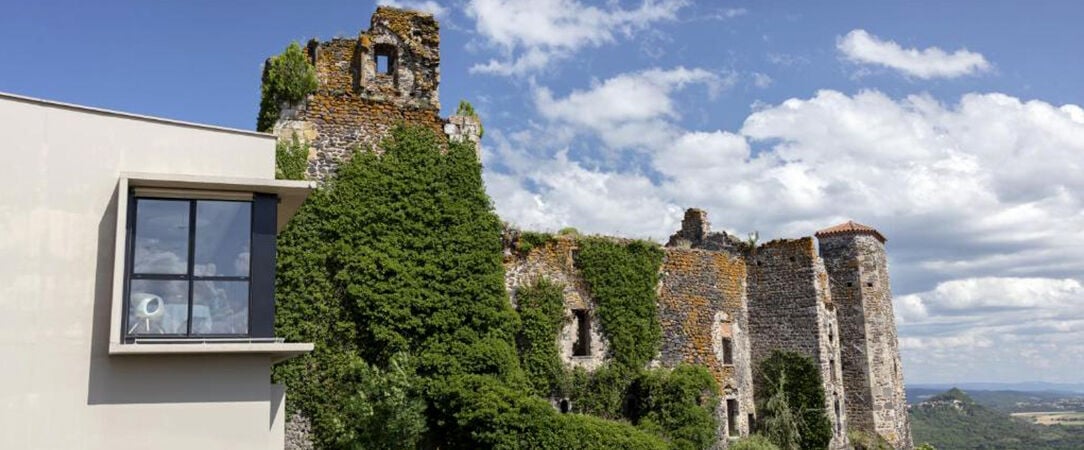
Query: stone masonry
{"points": [[790, 309], [857, 265], [723, 303], [387, 75]]}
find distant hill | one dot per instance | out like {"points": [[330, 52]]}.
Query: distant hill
{"points": [[953, 420], [1011, 401], [1024, 386]]}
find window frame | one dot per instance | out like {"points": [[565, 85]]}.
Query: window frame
{"points": [[261, 267]]}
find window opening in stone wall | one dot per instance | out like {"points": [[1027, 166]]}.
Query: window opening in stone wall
{"points": [[732, 417], [832, 369], [869, 284], [582, 346], [728, 351], [751, 422], [384, 56], [565, 406], [838, 416]]}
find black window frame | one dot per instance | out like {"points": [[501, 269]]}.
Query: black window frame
{"points": [[261, 274]]}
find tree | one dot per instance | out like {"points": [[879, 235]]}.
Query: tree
{"points": [[800, 379]]}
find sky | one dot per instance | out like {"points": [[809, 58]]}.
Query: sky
{"points": [[954, 128]]}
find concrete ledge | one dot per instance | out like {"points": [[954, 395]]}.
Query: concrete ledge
{"points": [[278, 351], [291, 193]]}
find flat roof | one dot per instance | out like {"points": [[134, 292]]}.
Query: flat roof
{"points": [[124, 115]]}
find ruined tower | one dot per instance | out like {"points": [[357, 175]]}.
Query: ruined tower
{"points": [[387, 75], [857, 265], [791, 309]]}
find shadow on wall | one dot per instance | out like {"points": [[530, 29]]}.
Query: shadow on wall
{"points": [[135, 379]]}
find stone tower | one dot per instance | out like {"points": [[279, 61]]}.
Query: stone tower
{"points": [[854, 255], [387, 75], [791, 309]]}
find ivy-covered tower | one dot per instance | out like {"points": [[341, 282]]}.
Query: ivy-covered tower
{"points": [[387, 75], [854, 255]]}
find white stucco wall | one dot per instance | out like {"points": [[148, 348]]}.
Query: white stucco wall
{"points": [[60, 389]]}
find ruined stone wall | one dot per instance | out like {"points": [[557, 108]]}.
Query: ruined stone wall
{"points": [[858, 268], [554, 261], [790, 309], [355, 105], [701, 303]]}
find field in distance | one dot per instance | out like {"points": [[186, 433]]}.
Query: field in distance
{"points": [[1053, 418]]}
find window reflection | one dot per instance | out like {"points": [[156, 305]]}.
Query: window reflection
{"points": [[220, 307], [158, 307], [222, 238], [171, 295], [161, 243]]}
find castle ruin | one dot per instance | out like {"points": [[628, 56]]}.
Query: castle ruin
{"points": [[722, 303]]}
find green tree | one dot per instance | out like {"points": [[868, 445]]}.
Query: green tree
{"points": [[778, 422], [289, 77], [799, 377]]}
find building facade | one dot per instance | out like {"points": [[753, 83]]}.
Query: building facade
{"points": [[137, 284]]}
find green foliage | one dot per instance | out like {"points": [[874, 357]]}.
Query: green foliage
{"points": [[861, 440], [467, 109], [399, 253], [778, 422], [381, 408], [799, 377], [568, 231], [291, 159], [541, 312], [969, 425], [528, 240], [394, 270], [622, 277], [753, 442], [288, 78], [677, 404], [925, 446], [491, 415]]}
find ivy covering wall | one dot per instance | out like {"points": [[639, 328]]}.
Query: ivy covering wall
{"points": [[393, 269]]}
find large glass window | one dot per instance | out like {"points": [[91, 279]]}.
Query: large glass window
{"points": [[189, 272]]}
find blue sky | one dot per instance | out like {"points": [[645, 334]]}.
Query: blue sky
{"points": [[950, 126]]}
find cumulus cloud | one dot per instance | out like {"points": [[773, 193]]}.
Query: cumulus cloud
{"points": [[861, 47], [631, 109], [961, 328], [429, 6], [532, 34], [979, 198]]}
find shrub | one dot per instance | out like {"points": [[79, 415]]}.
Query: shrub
{"points": [[528, 240], [861, 440], [753, 442], [288, 78], [677, 404], [799, 377], [291, 159]]}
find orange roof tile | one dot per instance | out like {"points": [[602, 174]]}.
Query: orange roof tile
{"points": [[850, 227]]}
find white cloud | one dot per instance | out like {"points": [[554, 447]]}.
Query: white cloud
{"points": [[429, 6], [979, 198], [862, 47], [630, 110], [761, 80], [531, 34], [994, 328]]}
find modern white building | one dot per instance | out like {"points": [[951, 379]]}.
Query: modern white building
{"points": [[137, 260]]}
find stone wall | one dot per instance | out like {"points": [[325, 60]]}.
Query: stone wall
{"points": [[873, 380], [355, 104], [701, 303], [790, 309], [554, 261]]}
